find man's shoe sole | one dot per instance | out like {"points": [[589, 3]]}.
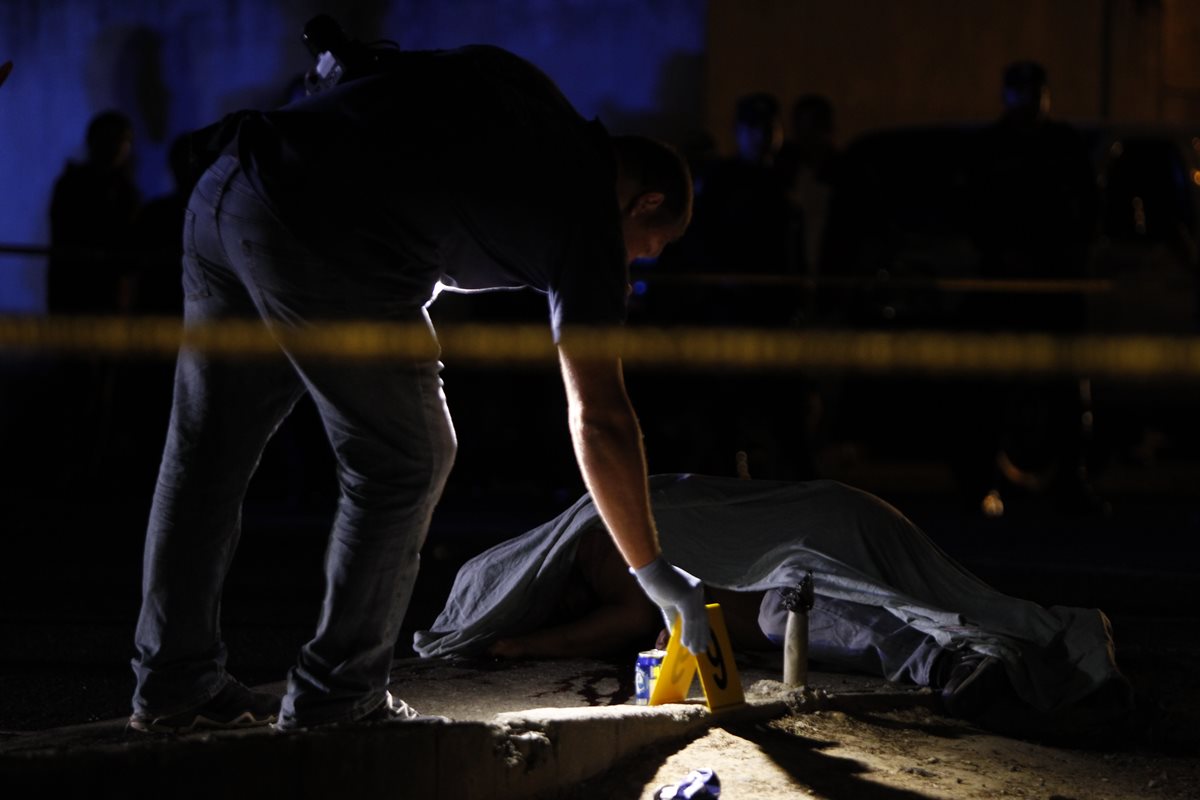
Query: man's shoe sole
{"points": [[198, 722]]}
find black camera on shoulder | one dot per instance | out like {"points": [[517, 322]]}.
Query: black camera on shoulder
{"points": [[341, 58]]}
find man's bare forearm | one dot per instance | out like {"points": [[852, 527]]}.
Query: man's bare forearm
{"points": [[614, 467], [608, 447]]}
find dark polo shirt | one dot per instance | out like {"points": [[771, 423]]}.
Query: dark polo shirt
{"points": [[466, 166]]}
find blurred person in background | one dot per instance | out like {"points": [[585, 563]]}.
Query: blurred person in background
{"points": [[1034, 207]]}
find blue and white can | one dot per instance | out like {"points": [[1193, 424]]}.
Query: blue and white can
{"points": [[645, 673]]}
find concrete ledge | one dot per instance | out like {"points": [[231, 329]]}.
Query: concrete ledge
{"points": [[524, 755], [519, 754], [582, 742]]}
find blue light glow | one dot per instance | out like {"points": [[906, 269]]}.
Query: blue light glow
{"points": [[173, 67]]}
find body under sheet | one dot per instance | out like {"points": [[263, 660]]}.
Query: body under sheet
{"points": [[757, 535]]}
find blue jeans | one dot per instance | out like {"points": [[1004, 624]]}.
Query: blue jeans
{"points": [[391, 436]]}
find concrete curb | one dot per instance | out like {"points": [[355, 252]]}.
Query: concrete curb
{"points": [[530, 754], [566, 746], [519, 755], [526, 754]]}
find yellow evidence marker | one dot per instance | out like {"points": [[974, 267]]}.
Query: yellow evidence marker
{"points": [[718, 672]]}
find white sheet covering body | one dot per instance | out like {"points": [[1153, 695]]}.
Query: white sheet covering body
{"points": [[756, 535]]}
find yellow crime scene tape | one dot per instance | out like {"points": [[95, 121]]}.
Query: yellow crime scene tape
{"points": [[884, 280], [936, 352]]}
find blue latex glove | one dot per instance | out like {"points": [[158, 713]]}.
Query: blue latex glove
{"points": [[678, 594], [700, 784]]}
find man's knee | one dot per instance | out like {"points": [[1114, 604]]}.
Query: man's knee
{"points": [[400, 483], [449, 453]]}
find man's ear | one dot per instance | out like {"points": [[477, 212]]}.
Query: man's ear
{"points": [[646, 203]]}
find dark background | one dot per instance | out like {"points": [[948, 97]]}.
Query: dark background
{"points": [[76, 476]]}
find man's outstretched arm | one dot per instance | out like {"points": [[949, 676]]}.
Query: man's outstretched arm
{"points": [[608, 447]]}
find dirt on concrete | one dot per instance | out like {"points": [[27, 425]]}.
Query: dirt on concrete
{"points": [[897, 755], [915, 753]]}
